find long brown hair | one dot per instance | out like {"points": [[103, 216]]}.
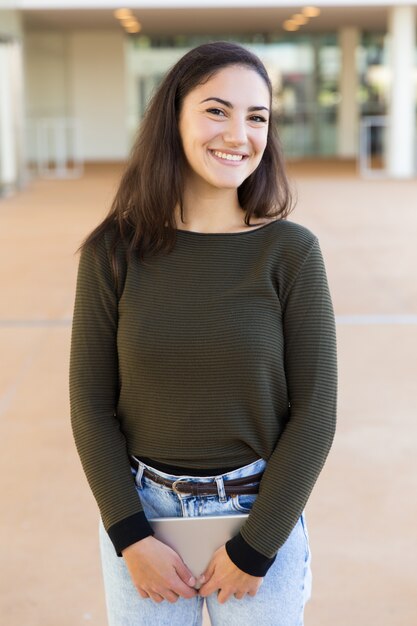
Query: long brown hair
{"points": [[142, 212]]}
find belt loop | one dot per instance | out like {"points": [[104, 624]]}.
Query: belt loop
{"points": [[139, 474], [220, 489]]}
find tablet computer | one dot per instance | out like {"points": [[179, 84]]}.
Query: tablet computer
{"points": [[195, 539]]}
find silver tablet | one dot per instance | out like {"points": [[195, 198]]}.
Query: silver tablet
{"points": [[195, 539]]}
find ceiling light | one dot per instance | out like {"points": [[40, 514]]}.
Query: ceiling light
{"points": [[300, 19], [130, 22], [127, 18], [311, 11], [290, 25], [122, 14], [134, 29]]}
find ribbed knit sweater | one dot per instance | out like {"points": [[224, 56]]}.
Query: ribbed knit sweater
{"points": [[217, 354]]}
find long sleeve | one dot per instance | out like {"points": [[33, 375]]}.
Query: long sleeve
{"points": [[94, 390], [299, 455]]}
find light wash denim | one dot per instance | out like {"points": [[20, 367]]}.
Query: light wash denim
{"points": [[279, 601]]}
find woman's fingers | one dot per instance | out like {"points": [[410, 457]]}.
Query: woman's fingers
{"points": [[239, 595], [223, 595], [170, 596], [227, 579], [209, 587], [167, 594], [156, 597], [204, 578], [184, 573], [180, 588], [253, 592], [158, 571]]}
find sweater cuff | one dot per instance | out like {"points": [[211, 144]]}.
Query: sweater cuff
{"points": [[247, 558], [129, 530]]}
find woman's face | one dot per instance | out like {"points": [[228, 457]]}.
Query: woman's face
{"points": [[223, 126]]}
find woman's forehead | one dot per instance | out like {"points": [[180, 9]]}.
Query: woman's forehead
{"points": [[234, 83]]}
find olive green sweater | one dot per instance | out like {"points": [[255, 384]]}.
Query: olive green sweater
{"points": [[217, 354]]}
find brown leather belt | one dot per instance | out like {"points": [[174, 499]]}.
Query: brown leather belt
{"points": [[237, 486]]}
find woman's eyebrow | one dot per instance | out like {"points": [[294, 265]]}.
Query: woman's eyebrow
{"points": [[228, 104]]}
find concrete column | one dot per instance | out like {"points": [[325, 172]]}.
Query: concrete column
{"points": [[11, 100], [348, 111], [8, 156], [401, 105]]}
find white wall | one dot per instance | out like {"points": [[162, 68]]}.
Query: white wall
{"points": [[80, 74], [46, 67], [98, 93], [10, 22]]}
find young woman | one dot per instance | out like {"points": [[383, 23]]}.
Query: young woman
{"points": [[203, 349]]}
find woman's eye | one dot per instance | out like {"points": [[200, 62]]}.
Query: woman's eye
{"points": [[254, 118], [215, 111], [258, 118]]}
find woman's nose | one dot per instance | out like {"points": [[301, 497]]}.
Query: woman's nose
{"points": [[236, 131]]}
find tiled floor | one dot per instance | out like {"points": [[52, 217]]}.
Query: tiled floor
{"points": [[362, 513]]}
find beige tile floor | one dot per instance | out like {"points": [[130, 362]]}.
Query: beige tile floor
{"points": [[363, 511]]}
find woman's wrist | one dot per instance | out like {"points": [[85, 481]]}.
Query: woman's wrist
{"points": [[129, 531], [247, 558]]}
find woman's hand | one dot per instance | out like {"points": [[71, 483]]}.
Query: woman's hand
{"points": [[224, 575], [157, 571]]}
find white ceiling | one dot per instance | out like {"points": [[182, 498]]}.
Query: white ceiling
{"points": [[211, 21]]}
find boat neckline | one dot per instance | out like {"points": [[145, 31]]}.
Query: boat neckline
{"points": [[238, 232]]}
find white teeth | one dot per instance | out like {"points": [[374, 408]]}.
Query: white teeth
{"points": [[229, 157]]}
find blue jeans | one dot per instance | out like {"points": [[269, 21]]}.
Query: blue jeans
{"points": [[279, 601]]}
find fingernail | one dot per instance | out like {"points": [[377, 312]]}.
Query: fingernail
{"points": [[202, 578], [191, 582]]}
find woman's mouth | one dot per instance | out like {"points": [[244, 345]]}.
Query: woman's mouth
{"points": [[228, 158]]}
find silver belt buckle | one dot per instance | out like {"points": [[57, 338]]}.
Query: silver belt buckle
{"points": [[174, 485]]}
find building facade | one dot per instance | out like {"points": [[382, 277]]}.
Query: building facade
{"points": [[74, 82]]}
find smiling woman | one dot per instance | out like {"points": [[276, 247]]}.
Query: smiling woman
{"points": [[150, 204], [222, 146], [212, 363]]}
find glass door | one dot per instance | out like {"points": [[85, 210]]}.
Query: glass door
{"points": [[305, 73]]}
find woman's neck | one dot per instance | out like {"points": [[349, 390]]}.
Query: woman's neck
{"points": [[215, 210]]}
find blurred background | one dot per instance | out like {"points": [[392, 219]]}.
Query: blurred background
{"points": [[75, 78]]}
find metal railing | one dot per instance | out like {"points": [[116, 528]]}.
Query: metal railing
{"points": [[56, 144]]}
